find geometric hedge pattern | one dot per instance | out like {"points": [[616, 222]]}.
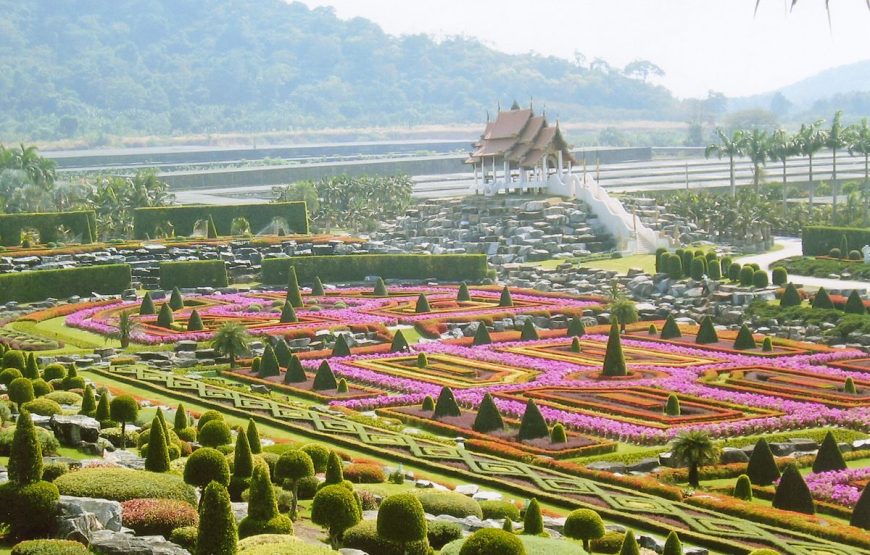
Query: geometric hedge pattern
{"points": [[704, 527]]}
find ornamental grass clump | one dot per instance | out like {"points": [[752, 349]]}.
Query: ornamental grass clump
{"points": [[488, 416], [744, 340]]}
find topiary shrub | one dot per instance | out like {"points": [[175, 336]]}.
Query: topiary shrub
{"points": [[335, 508], [529, 331], [215, 433], [42, 407], [48, 444], [585, 525], [207, 417], [575, 345], [576, 327], [822, 300], [697, 268], [243, 467], [54, 470], [441, 533], [263, 516], [25, 454], [35, 507], [706, 333], [734, 271], [334, 470], [629, 544], [20, 391], [295, 372], [422, 304], [745, 277], [614, 359], [532, 425], [767, 345], [760, 279], [185, 537], [779, 276], [672, 406], [790, 297], [54, 371], [861, 511], [399, 344], [157, 459], [855, 255], [146, 308], [380, 289], [557, 434], [364, 473], [14, 358], [269, 364], [854, 304], [150, 517], [49, 547], [341, 348], [206, 465], [446, 405], [499, 510], [835, 253], [673, 545], [488, 416], [364, 536], [123, 409], [490, 540], [792, 493], [123, 484], [481, 335], [401, 519], [294, 294], [280, 544], [319, 455], [8, 375], [505, 299], [829, 457], [165, 318], [674, 266], [292, 467], [288, 314], [449, 503], [325, 378], [744, 339], [670, 330], [743, 488], [533, 521], [70, 398], [762, 469], [217, 533]]}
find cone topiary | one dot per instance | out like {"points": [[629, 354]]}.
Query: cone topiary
{"points": [[324, 379], [295, 371], [861, 512], [294, 295], [614, 359], [822, 300], [829, 457], [629, 544], [255, 365], [147, 306], [533, 521], [288, 314], [253, 437], [157, 458], [672, 407], [767, 345], [576, 327], [792, 493], [380, 288], [263, 516], [670, 330], [176, 302], [342, 386], [529, 332], [282, 352], [707, 333], [422, 360], [31, 368], [849, 386], [488, 416], [744, 339], [102, 412], [25, 453], [89, 402], [334, 470], [463, 296], [652, 329], [855, 304], [481, 335], [446, 405], [673, 545], [762, 469], [743, 488], [165, 317], [217, 533], [557, 434], [508, 525], [341, 348], [399, 344], [532, 425], [790, 297], [575, 345], [317, 288], [194, 322], [269, 364], [505, 299], [428, 403], [422, 304]]}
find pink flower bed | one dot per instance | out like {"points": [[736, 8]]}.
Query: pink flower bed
{"points": [[838, 486]]}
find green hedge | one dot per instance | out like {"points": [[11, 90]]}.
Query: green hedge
{"points": [[819, 240], [198, 273], [110, 279], [355, 267], [183, 218], [123, 484], [82, 223]]}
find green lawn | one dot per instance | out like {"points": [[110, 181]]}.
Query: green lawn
{"points": [[646, 262]]}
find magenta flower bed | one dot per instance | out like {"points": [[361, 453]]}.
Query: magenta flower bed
{"points": [[839, 486]]}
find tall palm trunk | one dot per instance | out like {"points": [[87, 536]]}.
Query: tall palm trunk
{"points": [[784, 187], [812, 186], [834, 188], [866, 184], [731, 169]]}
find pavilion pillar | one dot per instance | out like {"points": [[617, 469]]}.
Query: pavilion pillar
{"points": [[560, 164]]}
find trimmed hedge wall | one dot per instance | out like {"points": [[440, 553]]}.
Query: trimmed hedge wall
{"points": [[183, 218], [355, 267], [109, 279], [82, 223], [819, 240], [197, 273]]}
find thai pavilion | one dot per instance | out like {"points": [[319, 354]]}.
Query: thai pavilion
{"points": [[519, 150]]}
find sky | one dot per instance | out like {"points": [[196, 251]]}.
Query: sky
{"points": [[701, 45]]}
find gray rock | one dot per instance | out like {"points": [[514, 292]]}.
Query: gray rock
{"points": [[732, 455], [73, 430], [782, 449], [108, 542], [644, 465], [607, 466], [106, 512]]}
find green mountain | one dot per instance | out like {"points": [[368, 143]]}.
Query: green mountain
{"points": [[73, 67]]}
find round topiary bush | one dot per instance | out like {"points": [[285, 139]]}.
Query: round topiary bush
{"points": [[41, 388], [215, 434], [9, 374], [49, 547], [42, 407], [54, 371], [585, 525], [123, 484], [491, 540], [65, 398], [759, 279], [14, 359], [401, 519], [499, 510], [746, 273], [449, 503], [440, 533], [207, 417], [364, 536], [335, 508], [779, 276], [855, 255], [835, 253], [319, 455], [150, 517], [20, 391]]}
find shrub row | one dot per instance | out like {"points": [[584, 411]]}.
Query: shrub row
{"points": [[356, 267], [109, 279], [819, 240], [82, 223], [184, 218], [197, 273], [122, 484]]}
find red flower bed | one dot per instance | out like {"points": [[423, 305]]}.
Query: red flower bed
{"points": [[149, 517]]}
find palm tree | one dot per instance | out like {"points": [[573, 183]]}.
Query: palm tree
{"points": [[836, 138], [811, 139], [859, 141], [756, 146], [694, 449], [621, 307], [126, 326], [731, 147], [782, 146], [231, 340]]}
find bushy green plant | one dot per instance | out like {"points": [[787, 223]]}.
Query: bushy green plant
{"points": [[215, 433], [428, 404], [206, 465], [441, 533], [779, 276], [324, 379], [291, 468], [674, 266], [706, 333], [217, 534], [422, 304], [505, 299], [585, 525], [364, 536], [792, 493], [8, 375], [629, 544], [735, 271], [557, 434], [449, 503], [743, 488], [488, 416], [401, 519], [294, 295], [263, 516], [151, 517], [165, 318], [463, 295], [614, 359], [829, 458], [334, 470], [533, 521], [760, 279], [49, 547], [157, 459], [499, 510], [288, 314], [20, 391], [854, 304], [767, 345], [790, 296], [380, 289], [42, 407], [745, 277], [53, 470], [861, 512], [822, 300], [185, 537], [762, 469], [697, 268], [335, 508], [123, 409], [269, 364], [400, 343], [319, 455], [670, 330], [14, 358], [532, 424], [849, 386], [672, 406], [54, 371], [122, 484], [48, 444], [446, 404], [29, 509], [744, 339], [529, 331], [194, 321], [295, 371], [481, 335], [490, 540], [253, 434], [673, 545], [25, 456], [835, 253], [576, 327]]}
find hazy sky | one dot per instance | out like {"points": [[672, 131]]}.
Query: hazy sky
{"points": [[700, 44]]}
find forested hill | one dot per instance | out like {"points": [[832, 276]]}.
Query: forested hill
{"points": [[73, 67]]}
